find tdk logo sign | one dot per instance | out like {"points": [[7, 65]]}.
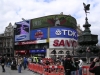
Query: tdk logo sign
{"points": [[59, 32], [21, 37]]}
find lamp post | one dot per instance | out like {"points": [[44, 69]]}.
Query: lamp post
{"points": [[54, 51], [14, 30], [14, 33], [73, 46]]}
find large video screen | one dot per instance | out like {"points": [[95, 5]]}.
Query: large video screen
{"points": [[39, 34], [63, 32], [22, 30], [53, 20]]}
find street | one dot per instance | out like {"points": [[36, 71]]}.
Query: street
{"points": [[15, 72]]}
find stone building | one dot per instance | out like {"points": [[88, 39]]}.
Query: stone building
{"points": [[6, 41]]}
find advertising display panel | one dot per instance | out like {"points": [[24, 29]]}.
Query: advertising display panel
{"points": [[67, 43], [38, 51], [22, 31], [54, 20], [62, 32], [39, 34], [31, 42], [61, 37]]}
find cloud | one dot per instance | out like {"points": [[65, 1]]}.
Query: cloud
{"points": [[13, 10]]}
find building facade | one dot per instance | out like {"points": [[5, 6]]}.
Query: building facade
{"points": [[43, 34], [6, 41], [33, 37]]}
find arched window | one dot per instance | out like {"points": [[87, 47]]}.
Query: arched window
{"points": [[53, 52], [68, 52], [60, 52]]}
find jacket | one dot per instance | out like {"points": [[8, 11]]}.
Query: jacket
{"points": [[68, 64], [74, 66], [2, 60], [80, 63], [94, 69]]}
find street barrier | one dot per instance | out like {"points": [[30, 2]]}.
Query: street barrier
{"points": [[46, 59], [85, 70], [54, 70]]}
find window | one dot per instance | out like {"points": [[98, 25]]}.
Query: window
{"points": [[67, 52], [53, 52], [60, 52], [36, 46]]}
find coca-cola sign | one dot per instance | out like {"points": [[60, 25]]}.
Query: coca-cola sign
{"points": [[27, 42], [31, 42]]}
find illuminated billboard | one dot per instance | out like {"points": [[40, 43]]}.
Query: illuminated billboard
{"points": [[61, 37], [54, 20], [39, 34], [62, 32], [22, 31]]}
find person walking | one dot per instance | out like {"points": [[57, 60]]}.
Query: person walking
{"points": [[68, 65], [19, 64], [80, 66], [25, 62], [73, 70], [9, 62], [13, 64], [3, 63], [75, 66]]}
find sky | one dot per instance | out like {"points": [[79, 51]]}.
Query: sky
{"points": [[14, 10]]}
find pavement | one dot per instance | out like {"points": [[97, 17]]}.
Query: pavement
{"points": [[15, 72]]}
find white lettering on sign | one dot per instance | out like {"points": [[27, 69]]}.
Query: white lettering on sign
{"points": [[29, 42], [64, 32], [41, 41]]}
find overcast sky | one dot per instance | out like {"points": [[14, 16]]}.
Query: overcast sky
{"points": [[13, 10]]}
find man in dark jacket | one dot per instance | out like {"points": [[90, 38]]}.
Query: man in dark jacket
{"points": [[95, 69], [3, 63], [68, 65]]}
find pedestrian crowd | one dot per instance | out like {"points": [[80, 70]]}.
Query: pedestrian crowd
{"points": [[71, 65], [13, 63]]}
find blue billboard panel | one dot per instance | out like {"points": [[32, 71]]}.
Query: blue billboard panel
{"points": [[22, 31], [62, 32], [38, 51], [39, 34]]}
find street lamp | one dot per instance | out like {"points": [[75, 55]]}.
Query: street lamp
{"points": [[73, 46], [14, 33], [14, 30], [54, 52]]}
